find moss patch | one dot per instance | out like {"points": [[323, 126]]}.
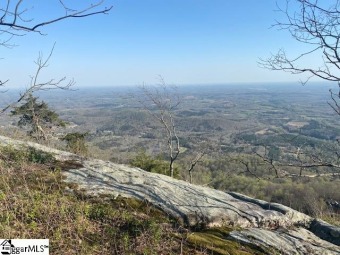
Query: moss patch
{"points": [[215, 240]]}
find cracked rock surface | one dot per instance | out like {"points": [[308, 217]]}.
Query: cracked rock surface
{"points": [[263, 224]]}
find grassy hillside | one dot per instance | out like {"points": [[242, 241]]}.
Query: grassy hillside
{"points": [[36, 203]]}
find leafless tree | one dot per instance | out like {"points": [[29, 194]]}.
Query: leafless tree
{"points": [[304, 159], [284, 159], [200, 147], [41, 118], [37, 85], [15, 22], [315, 24], [194, 162], [160, 102]]}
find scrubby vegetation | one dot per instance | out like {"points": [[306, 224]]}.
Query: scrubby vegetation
{"points": [[36, 203], [75, 143], [152, 164]]}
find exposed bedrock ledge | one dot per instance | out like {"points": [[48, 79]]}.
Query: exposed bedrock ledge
{"points": [[263, 223], [192, 204], [286, 241], [296, 218], [325, 231]]}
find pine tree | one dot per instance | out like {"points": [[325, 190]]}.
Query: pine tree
{"points": [[38, 117]]}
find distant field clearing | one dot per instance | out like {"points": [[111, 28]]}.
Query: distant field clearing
{"points": [[264, 131], [297, 124]]}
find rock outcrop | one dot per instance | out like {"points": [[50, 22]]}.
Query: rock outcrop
{"points": [[286, 241], [263, 224]]}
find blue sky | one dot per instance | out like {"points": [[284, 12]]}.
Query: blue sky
{"points": [[185, 41]]}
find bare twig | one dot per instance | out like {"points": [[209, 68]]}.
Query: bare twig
{"points": [[37, 85], [318, 27], [13, 21], [160, 102], [194, 162]]}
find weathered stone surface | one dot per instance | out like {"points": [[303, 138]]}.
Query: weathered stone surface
{"points": [[295, 217], [190, 203], [267, 224], [286, 241], [326, 231]]}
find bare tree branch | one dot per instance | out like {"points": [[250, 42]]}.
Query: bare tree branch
{"points": [[315, 24], [160, 102], [13, 22], [37, 85], [304, 160], [194, 162]]}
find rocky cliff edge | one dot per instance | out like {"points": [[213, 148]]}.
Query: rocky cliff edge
{"points": [[256, 222]]}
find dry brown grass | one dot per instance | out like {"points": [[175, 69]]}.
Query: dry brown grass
{"points": [[36, 203]]}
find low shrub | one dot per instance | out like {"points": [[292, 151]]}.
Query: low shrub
{"points": [[152, 164]]}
